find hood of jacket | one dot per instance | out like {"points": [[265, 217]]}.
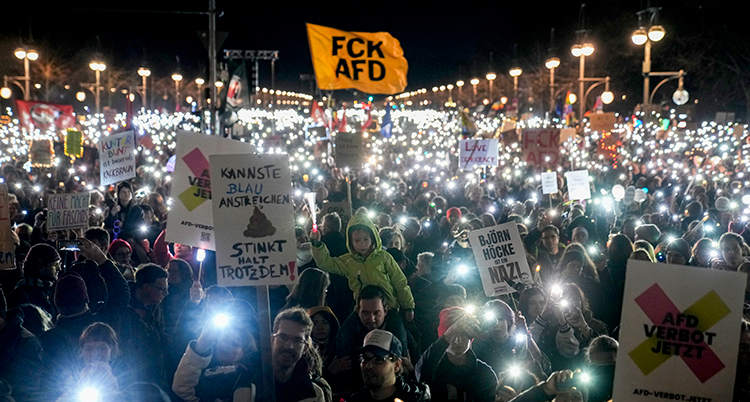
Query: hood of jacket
{"points": [[361, 221]]}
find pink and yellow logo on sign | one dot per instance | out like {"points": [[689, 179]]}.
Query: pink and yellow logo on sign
{"points": [[200, 180]]}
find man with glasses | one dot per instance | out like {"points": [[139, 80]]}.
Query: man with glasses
{"points": [[380, 359], [550, 251]]}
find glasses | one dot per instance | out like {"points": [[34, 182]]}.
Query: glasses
{"points": [[296, 341], [549, 237], [363, 360], [162, 290]]}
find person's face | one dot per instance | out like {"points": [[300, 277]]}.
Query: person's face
{"points": [[580, 235], [732, 252], [453, 219], [361, 241], [122, 256], [500, 331], [371, 313], [384, 221], [526, 279], [227, 351], [175, 275], [377, 376], [96, 352], [125, 195], [459, 345], [148, 217], [52, 270], [673, 257], [395, 243], [704, 254], [288, 344], [569, 395], [321, 328], [536, 306], [183, 251], [573, 269], [549, 240], [157, 290]]}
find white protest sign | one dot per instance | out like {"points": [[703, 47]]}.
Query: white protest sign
{"points": [[578, 185], [549, 182], [191, 218], [501, 258], [349, 150], [477, 153], [7, 249], [67, 211], [679, 333], [254, 220], [116, 158]]}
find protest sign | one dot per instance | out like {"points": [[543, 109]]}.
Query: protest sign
{"points": [[567, 134], [41, 153], [679, 334], [191, 218], [7, 249], [549, 182], [117, 158], [349, 150], [477, 153], [578, 185], [254, 220], [316, 133], [501, 258], [343, 208], [541, 146], [371, 62], [67, 211], [602, 121]]}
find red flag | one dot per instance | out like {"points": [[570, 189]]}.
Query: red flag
{"points": [[318, 115], [45, 116], [368, 120], [146, 142], [342, 123]]}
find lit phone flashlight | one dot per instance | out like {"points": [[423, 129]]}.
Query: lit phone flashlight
{"points": [[221, 320]]}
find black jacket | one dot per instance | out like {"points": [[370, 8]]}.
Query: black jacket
{"points": [[20, 357], [406, 391]]}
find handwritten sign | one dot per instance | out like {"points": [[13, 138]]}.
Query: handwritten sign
{"points": [[541, 146], [7, 249], [67, 211], [349, 150], [254, 220], [343, 208], [477, 153], [578, 185], [679, 334], [191, 218], [117, 158], [41, 153], [549, 182], [501, 258]]}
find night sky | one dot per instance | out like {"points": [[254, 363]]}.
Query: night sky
{"points": [[442, 42]]}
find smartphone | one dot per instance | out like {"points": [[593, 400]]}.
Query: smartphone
{"points": [[69, 245]]}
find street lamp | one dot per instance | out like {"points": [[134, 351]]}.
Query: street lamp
{"points": [[460, 84], [177, 77], [582, 51], [491, 78], [22, 54], [641, 37], [144, 73], [450, 91], [199, 82], [98, 67], [515, 72], [552, 64], [474, 82]]}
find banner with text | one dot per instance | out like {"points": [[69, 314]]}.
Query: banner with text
{"points": [[117, 158], [541, 146], [501, 258], [371, 62], [349, 150], [477, 153], [7, 249], [254, 220], [191, 218], [67, 211], [679, 334]]}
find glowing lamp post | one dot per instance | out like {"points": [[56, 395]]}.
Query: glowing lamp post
{"points": [[98, 67], [515, 72], [552, 64]]}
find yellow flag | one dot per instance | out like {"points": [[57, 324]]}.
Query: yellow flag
{"points": [[371, 62]]}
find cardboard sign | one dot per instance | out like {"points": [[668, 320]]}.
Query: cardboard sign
{"points": [[679, 334], [578, 185], [477, 153], [117, 158], [41, 153], [567, 134], [541, 146], [501, 258], [602, 121], [7, 249], [343, 208], [191, 219], [549, 182], [254, 220], [349, 150], [67, 211]]}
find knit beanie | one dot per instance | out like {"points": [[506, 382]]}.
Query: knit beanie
{"points": [[453, 211], [70, 293], [448, 318], [118, 244], [649, 232], [681, 246], [38, 256], [123, 184]]}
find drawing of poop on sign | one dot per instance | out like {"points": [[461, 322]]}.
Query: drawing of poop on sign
{"points": [[259, 225]]}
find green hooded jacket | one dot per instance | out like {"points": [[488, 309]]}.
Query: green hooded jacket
{"points": [[378, 268]]}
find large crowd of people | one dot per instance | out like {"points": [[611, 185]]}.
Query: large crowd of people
{"points": [[388, 306]]}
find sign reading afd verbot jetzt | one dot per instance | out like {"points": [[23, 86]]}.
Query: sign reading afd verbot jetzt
{"points": [[501, 258], [679, 334], [254, 220]]}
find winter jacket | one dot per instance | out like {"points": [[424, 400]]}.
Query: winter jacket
{"points": [[475, 381], [5, 391], [34, 291], [197, 379], [300, 388], [406, 391], [20, 357], [378, 268]]}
